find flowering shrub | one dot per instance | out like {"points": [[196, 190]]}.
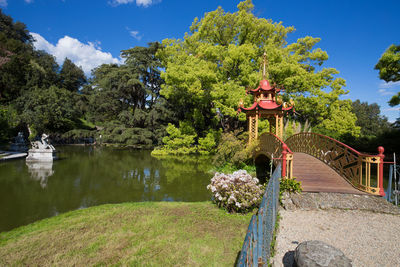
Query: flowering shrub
{"points": [[237, 192]]}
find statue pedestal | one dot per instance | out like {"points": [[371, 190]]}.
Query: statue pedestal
{"points": [[43, 155]]}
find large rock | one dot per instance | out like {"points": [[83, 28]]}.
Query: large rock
{"points": [[317, 254]]}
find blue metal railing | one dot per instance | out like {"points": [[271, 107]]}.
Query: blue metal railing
{"points": [[392, 194], [256, 248]]}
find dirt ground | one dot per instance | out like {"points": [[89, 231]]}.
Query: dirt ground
{"points": [[367, 234]]}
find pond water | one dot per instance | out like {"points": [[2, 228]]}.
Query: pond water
{"points": [[90, 176]]}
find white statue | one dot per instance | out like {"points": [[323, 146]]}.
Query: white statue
{"points": [[41, 150], [43, 143]]}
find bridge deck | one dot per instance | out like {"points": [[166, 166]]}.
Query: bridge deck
{"points": [[316, 176]]}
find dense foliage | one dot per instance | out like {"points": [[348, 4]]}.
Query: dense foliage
{"points": [[389, 64], [389, 71], [369, 119], [206, 72], [181, 96], [124, 99], [36, 94], [375, 130]]}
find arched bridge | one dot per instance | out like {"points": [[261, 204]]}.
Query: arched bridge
{"points": [[324, 164]]}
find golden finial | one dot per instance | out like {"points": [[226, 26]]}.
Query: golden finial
{"points": [[265, 65]]}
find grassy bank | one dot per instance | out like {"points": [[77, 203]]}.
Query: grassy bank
{"points": [[148, 233]]}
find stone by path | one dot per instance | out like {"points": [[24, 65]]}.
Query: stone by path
{"points": [[365, 228]]}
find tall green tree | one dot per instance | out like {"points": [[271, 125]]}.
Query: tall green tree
{"points": [[389, 71], [14, 30], [369, 119], [30, 85], [72, 77], [143, 62], [206, 72], [103, 96], [375, 129], [389, 64], [43, 70], [130, 86], [49, 110], [125, 99], [15, 56]]}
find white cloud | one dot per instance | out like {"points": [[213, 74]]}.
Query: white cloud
{"points": [[389, 88], [28, 1], [392, 109], [3, 3], [384, 85], [384, 91], [135, 34], [144, 3], [88, 56]]}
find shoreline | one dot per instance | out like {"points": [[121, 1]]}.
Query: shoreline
{"points": [[11, 155]]}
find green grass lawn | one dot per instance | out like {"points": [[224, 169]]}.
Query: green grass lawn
{"points": [[135, 234]]}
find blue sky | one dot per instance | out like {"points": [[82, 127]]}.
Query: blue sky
{"points": [[91, 32]]}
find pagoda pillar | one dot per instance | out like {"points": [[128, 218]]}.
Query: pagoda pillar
{"points": [[253, 127]]}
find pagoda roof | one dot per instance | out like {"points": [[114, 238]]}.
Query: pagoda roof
{"points": [[264, 86], [265, 105]]}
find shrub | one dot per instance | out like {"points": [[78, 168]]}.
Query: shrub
{"points": [[234, 152], [237, 192], [178, 141], [115, 133], [207, 144], [290, 185]]}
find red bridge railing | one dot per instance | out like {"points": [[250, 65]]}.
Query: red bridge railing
{"points": [[363, 171], [277, 151]]}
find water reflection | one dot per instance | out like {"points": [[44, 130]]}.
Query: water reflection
{"points": [[40, 171], [89, 176]]}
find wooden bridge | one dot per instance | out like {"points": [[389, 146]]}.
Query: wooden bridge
{"points": [[323, 164]]}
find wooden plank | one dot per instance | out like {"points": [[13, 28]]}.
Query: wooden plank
{"points": [[316, 176]]}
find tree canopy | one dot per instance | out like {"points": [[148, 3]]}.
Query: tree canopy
{"points": [[369, 119], [125, 99], [34, 92], [207, 72], [183, 93], [389, 64], [71, 76], [389, 71]]}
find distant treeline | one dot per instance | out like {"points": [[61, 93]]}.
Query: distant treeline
{"points": [[180, 95]]}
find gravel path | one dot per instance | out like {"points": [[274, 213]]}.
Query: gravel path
{"points": [[367, 238]]}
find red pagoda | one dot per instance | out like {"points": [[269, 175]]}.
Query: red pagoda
{"points": [[266, 105]]}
